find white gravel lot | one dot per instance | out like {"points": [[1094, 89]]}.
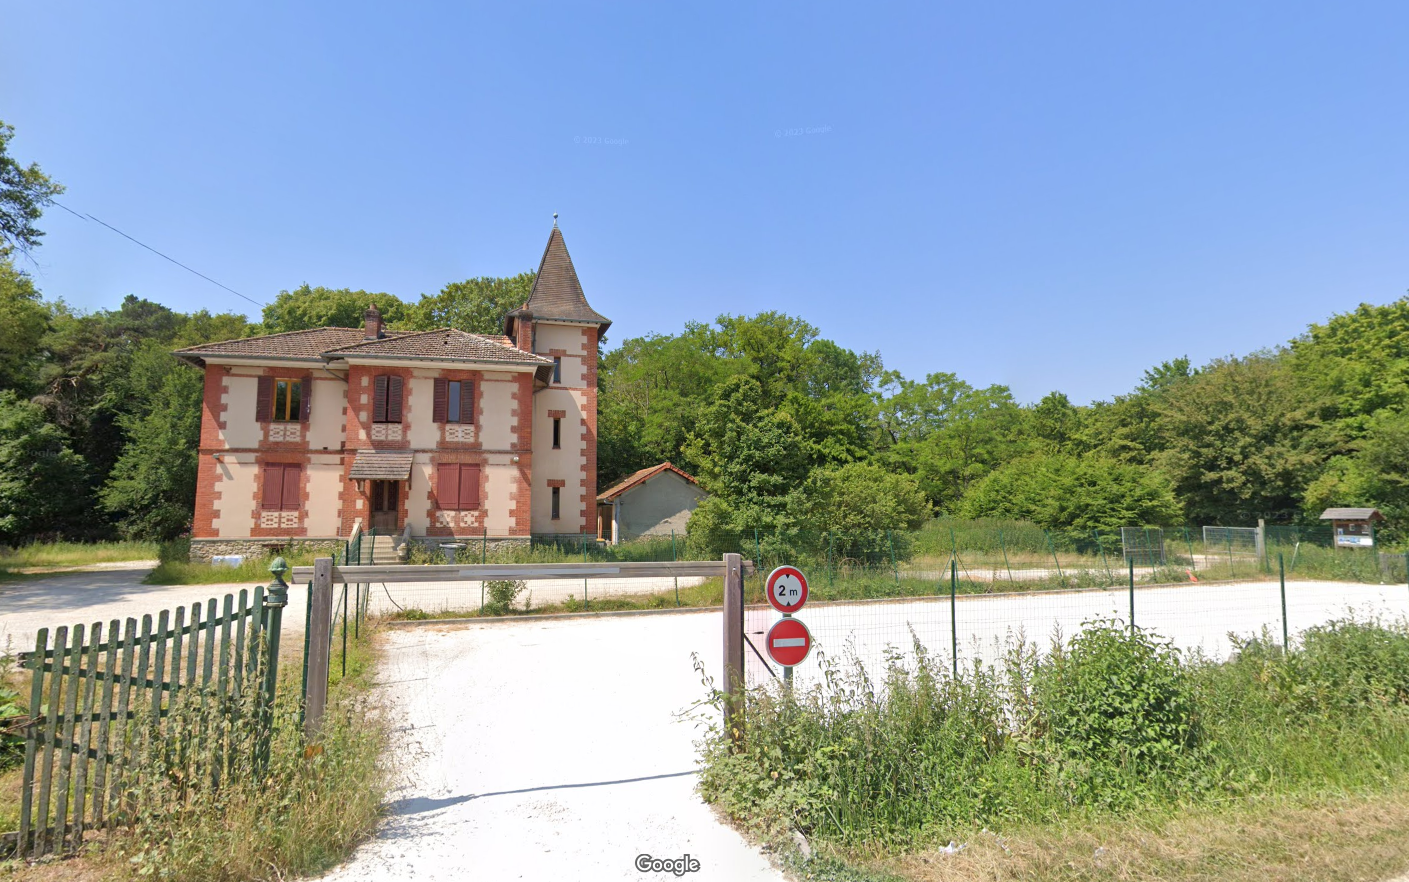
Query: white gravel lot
{"points": [[103, 595], [549, 750]]}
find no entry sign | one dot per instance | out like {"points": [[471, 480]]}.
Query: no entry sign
{"points": [[787, 589], [788, 642]]}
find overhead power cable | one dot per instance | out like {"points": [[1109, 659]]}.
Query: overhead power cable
{"points": [[157, 253]]}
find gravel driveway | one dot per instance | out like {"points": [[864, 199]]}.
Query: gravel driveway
{"points": [[101, 596], [549, 750]]}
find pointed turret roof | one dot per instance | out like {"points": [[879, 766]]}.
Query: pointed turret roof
{"points": [[557, 294]]}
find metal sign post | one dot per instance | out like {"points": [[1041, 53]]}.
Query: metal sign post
{"points": [[789, 641]]}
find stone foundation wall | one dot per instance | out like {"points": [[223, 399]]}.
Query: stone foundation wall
{"points": [[473, 547], [202, 550]]}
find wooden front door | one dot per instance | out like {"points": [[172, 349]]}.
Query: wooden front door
{"points": [[385, 506]]}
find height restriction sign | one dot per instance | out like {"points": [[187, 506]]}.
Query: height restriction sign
{"points": [[787, 589], [788, 642]]}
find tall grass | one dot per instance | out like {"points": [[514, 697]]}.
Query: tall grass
{"points": [[65, 554], [1107, 723], [210, 805], [175, 567]]}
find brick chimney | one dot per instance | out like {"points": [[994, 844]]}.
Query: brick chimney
{"points": [[372, 323]]}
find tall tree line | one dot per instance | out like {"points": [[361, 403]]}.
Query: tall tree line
{"points": [[786, 429]]}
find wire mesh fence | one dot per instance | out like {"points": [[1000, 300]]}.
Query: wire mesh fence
{"points": [[986, 556], [965, 628]]}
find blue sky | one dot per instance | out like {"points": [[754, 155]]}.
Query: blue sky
{"points": [[1049, 196]]}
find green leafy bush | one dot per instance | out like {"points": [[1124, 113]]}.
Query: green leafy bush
{"points": [[501, 594], [1117, 708], [1111, 720]]}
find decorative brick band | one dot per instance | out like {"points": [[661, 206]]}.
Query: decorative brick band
{"points": [[556, 482], [557, 414]]}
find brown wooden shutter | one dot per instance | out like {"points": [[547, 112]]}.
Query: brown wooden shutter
{"points": [[305, 398], [393, 400], [292, 493], [264, 400], [467, 402], [469, 487], [379, 396], [447, 487], [441, 404], [273, 490]]}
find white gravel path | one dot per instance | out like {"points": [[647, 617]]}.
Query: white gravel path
{"points": [[549, 750], [101, 596]]}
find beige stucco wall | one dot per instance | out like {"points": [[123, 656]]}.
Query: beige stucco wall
{"points": [[241, 391], [568, 339], [418, 496], [662, 504], [234, 509], [325, 418], [425, 433], [324, 485], [564, 464], [497, 431], [502, 478]]}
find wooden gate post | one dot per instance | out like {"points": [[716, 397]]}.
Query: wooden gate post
{"points": [[733, 645], [320, 627]]}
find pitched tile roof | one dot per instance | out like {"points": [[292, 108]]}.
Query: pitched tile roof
{"points": [[329, 344], [311, 343], [375, 466], [442, 344], [640, 477], [557, 294]]}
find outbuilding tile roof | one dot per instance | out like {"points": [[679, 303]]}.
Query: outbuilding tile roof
{"points": [[640, 477], [442, 344], [557, 294]]}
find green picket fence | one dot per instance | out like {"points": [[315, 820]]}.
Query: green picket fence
{"points": [[101, 696]]}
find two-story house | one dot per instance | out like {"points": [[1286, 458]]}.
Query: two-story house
{"points": [[435, 436]]}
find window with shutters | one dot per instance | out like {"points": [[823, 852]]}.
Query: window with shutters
{"points": [[457, 487], [454, 401], [281, 490], [386, 399], [282, 399], [288, 400]]}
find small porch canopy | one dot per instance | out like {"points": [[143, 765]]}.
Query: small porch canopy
{"points": [[372, 465]]}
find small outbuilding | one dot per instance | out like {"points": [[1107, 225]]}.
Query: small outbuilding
{"points": [[1353, 527], [655, 501]]}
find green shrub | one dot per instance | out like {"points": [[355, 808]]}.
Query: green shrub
{"points": [[1343, 665], [1111, 721], [1117, 706], [501, 594]]}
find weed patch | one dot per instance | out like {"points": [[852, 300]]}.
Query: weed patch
{"points": [[1110, 724]]}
